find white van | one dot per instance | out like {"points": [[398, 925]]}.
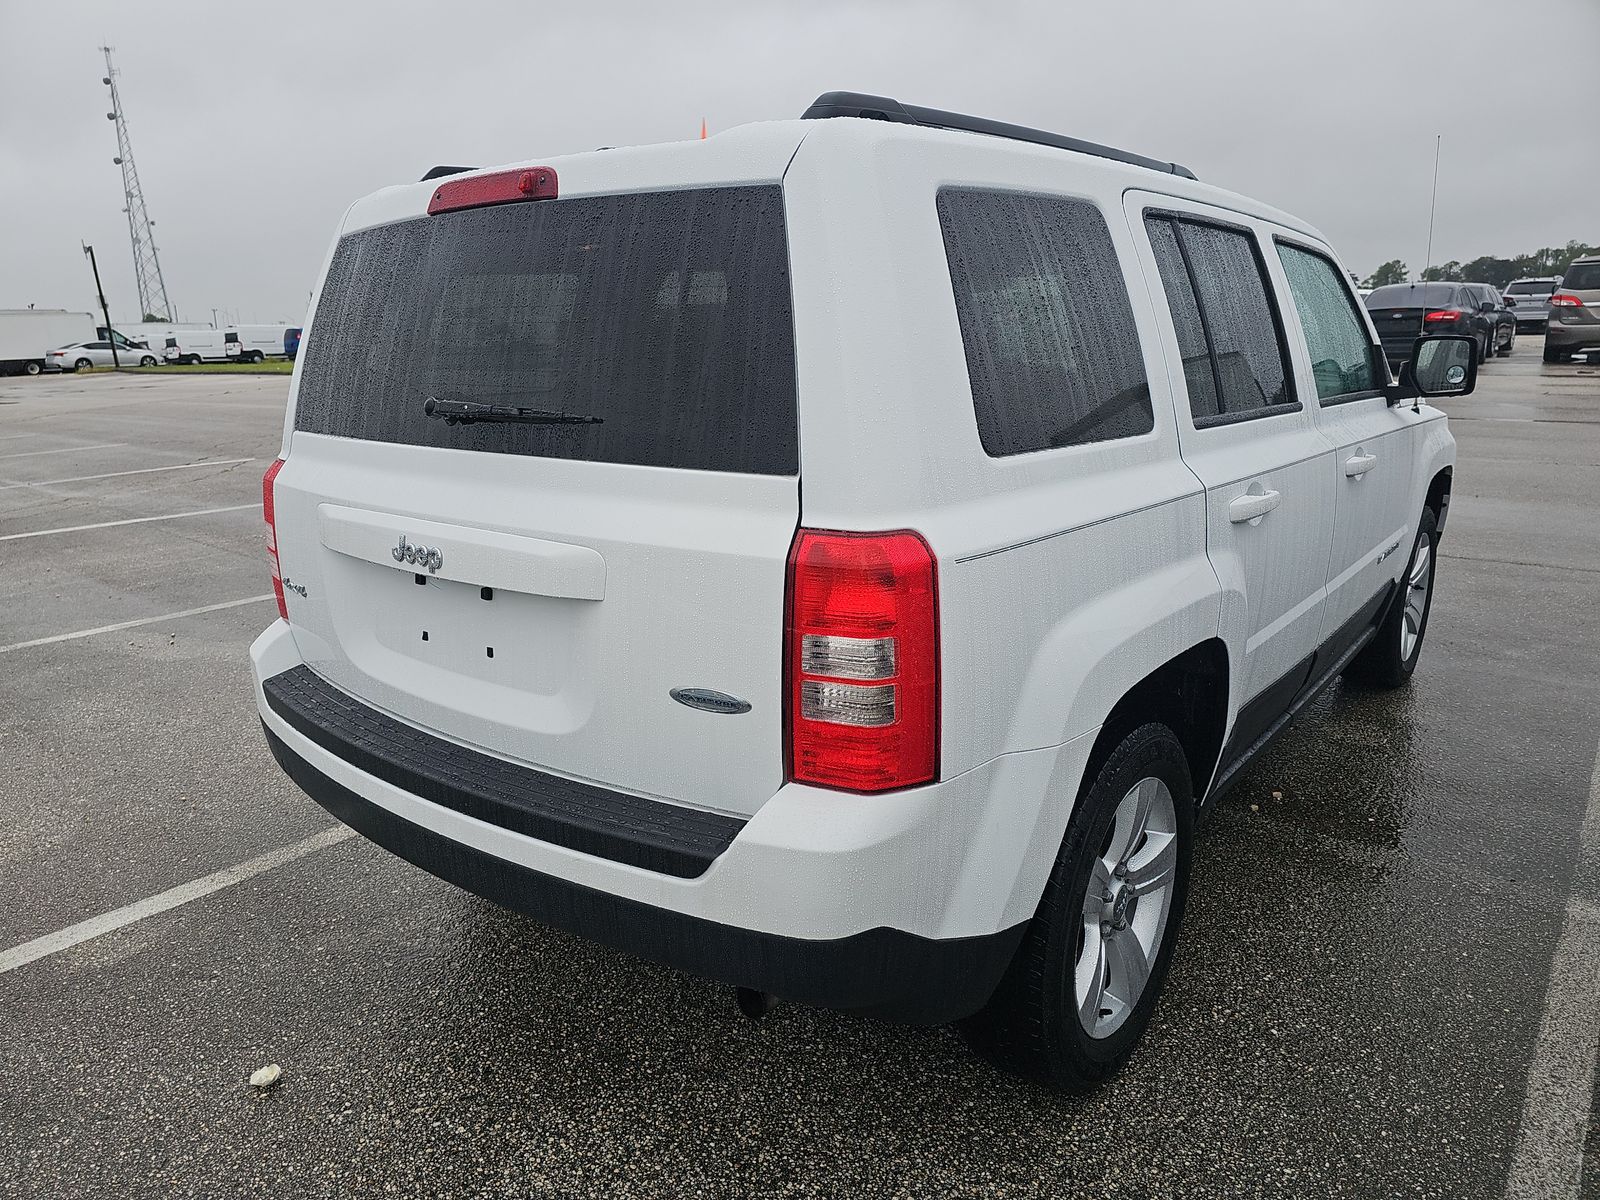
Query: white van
{"points": [[259, 342], [191, 346], [150, 335], [838, 557]]}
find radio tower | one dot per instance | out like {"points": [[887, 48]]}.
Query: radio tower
{"points": [[146, 266]]}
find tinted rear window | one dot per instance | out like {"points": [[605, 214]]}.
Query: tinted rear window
{"points": [[1052, 353], [1414, 295], [1582, 277], [665, 314], [1219, 269], [1530, 288]]}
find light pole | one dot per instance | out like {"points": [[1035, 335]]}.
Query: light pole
{"points": [[111, 334]]}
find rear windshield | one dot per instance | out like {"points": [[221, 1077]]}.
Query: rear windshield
{"points": [[1530, 287], [1414, 295], [1582, 277], [664, 314]]}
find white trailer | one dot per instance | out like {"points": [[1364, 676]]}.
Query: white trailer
{"points": [[28, 334]]}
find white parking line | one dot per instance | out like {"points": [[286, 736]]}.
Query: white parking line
{"points": [[216, 462], [83, 931], [199, 512], [171, 616], [67, 450], [1548, 1159]]}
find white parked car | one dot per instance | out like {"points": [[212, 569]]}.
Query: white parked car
{"points": [[82, 355], [785, 563]]}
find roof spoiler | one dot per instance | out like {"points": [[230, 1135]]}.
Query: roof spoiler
{"points": [[883, 108], [441, 172]]}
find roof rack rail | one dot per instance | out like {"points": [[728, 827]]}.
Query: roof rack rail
{"points": [[882, 108], [441, 172]]}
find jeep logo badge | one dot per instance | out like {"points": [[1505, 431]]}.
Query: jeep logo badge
{"points": [[420, 556], [707, 700]]}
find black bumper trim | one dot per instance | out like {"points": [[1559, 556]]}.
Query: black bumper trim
{"points": [[652, 834], [885, 973]]}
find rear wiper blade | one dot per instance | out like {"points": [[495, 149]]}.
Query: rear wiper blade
{"points": [[467, 412]]}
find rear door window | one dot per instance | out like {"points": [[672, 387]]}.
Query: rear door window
{"points": [[1218, 270], [664, 314], [1341, 354], [1053, 355], [1193, 344]]}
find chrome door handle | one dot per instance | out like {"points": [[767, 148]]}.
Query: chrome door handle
{"points": [[1251, 506], [1358, 465]]}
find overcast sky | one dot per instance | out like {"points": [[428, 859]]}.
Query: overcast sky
{"points": [[255, 125]]}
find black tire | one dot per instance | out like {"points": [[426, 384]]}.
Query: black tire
{"points": [[33, 368], [83, 364], [147, 360], [1384, 662], [1030, 1025], [1488, 347], [1511, 342]]}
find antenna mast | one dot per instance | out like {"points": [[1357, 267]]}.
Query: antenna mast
{"points": [[141, 233]]}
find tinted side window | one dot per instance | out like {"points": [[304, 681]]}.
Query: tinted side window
{"points": [[1341, 355], [1193, 343], [1052, 352], [1225, 275], [1252, 368]]}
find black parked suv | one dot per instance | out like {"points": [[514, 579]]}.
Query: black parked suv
{"points": [[1403, 312]]}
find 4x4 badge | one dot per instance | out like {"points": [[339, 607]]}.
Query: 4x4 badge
{"points": [[707, 700], [421, 556]]}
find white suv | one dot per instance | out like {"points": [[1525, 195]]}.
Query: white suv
{"points": [[837, 557]]}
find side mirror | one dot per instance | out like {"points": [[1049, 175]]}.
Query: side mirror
{"points": [[1509, 302], [1438, 366], [1487, 306]]}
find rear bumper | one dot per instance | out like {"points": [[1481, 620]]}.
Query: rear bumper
{"points": [[908, 906], [1573, 335], [880, 972]]}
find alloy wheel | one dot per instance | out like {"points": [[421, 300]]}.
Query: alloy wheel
{"points": [[1125, 908], [1418, 580]]}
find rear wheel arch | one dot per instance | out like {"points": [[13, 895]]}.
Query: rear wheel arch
{"points": [[1189, 694]]}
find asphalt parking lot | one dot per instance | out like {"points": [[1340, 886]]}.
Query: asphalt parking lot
{"points": [[1387, 984]]}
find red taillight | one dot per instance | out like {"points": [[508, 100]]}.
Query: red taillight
{"points": [[269, 512], [502, 187], [1444, 314], [861, 660], [1566, 300]]}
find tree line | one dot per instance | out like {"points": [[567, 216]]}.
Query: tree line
{"points": [[1544, 263]]}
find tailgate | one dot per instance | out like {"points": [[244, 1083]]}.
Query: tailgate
{"points": [[535, 587]]}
